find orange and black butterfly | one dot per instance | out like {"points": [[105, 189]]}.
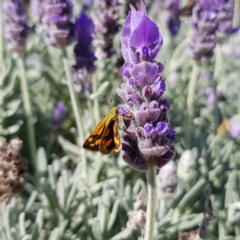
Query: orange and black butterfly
{"points": [[105, 138], [187, 10]]}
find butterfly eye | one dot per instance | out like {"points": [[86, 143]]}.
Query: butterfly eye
{"points": [[116, 111]]}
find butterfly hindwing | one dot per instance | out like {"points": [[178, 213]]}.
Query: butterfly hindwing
{"points": [[110, 140]]}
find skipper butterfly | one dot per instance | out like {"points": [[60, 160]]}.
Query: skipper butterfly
{"points": [[105, 138]]}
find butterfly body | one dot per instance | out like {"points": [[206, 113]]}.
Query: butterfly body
{"points": [[105, 138]]}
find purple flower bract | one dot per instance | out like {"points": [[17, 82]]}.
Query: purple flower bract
{"points": [[141, 39]]}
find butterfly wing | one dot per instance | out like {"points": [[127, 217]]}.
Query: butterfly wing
{"points": [[187, 10], [92, 143], [110, 140]]}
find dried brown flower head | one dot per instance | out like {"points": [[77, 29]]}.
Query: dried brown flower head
{"points": [[12, 168], [137, 216]]}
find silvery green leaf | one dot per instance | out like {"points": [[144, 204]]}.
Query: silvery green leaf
{"points": [[233, 214], [72, 192], [54, 234], [68, 146], [12, 129], [113, 214], [101, 89], [8, 88], [192, 194], [190, 221], [52, 177], [21, 222], [41, 161], [61, 192], [231, 187], [139, 185], [125, 234], [11, 108], [30, 201], [39, 219], [96, 229], [102, 215]]}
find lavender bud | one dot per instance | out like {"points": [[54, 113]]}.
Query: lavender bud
{"points": [[106, 27], [231, 50], [149, 128], [15, 25], [234, 126], [57, 17], [173, 18], [187, 168], [225, 18], [58, 117], [83, 53], [167, 180], [34, 11]]}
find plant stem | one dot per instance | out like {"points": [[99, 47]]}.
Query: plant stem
{"points": [[216, 75], [192, 90], [27, 109], [151, 187], [1, 34], [95, 100], [76, 108], [236, 15], [190, 102]]}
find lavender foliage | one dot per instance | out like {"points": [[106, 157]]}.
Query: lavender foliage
{"points": [[15, 25], [148, 137], [57, 17]]}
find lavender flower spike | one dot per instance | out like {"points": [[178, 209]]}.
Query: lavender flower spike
{"points": [[149, 137], [106, 27], [225, 20], [15, 25], [57, 15], [58, 117], [83, 51], [173, 18], [204, 26]]}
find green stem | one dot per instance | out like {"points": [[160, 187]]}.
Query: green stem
{"points": [[95, 100], [236, 16], [151, 186], [190, 102], [216, 75], [192, 90], [1, 34], [76, 108], [27, 109]]}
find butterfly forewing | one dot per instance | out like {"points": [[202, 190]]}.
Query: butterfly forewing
{"points": [[92, 143]]}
